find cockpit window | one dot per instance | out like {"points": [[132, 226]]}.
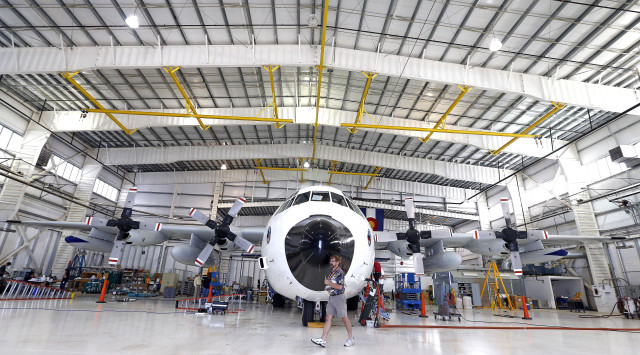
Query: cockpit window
{"points": [[339, 199], [302, 198], [320, 196], [354, 207], [286, 204]]}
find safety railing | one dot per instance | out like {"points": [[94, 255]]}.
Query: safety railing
{"points": [[20, 290], [234, 302]]}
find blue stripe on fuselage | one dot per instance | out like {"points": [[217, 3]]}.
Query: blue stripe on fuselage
{"points": [[72, 239], [560, 252]]}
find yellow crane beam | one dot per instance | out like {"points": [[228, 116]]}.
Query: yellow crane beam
{"points": [[190, 108], [378, 168], [443, 119], [320, 69], [456, 131], [333, 168], [361, 110], [258, 163], [557, 107], [69, 76], [170, 114], [271, 69], [301, 162]]}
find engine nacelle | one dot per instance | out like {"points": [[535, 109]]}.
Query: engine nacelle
{"points": [[542, 256], [401, 248], [497, 247], [187, 254], [89, 243], [444, 261], [144, 238], [227, 245]]}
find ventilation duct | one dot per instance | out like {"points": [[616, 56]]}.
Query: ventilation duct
{"points": [[625, 154]]}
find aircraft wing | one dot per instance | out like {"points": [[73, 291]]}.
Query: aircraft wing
{"points": [[577, 239], [184, 231], [61, 225], [169, 231]]}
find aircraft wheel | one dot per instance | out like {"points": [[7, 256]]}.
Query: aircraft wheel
{"points": [[308, 308], [278, 300], [352, 303]]}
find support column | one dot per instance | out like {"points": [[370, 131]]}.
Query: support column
{"points": [[13, 191], [77, 213]]}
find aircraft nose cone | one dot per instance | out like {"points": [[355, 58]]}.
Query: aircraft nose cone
{"points": [[311, 243]]}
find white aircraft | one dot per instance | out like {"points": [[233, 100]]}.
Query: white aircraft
{"points": [[301, 236]]}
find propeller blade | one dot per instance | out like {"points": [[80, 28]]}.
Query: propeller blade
{"points": [[198, 216], [97, 222], [150, 226], [242, 243], [505, 211], [411, 211], [204, 254], [516, 263], [128, 203], [233, 211], [418, 264], [131, 197], [116, 251]]}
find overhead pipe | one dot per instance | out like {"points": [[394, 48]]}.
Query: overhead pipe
{"points": [[557, 107], [361, 110], [69, 76], [378, 168], [258, 163], [273, 92], [456, 131], [320, 69], [190, 108], [333, 168], [443, 119], [169, 114]]}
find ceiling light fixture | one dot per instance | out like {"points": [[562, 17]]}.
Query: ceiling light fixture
{"points": [[306, 164], [495, 45], [223, 167], [132, 21], [313, 21]]}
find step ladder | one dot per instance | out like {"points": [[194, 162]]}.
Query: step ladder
{"points": [[19, 291], [598, 265], [494, 288]]}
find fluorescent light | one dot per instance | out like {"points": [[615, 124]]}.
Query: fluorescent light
{"points": [[495, 45], [223, 167], [132, 21], [306, 164]]}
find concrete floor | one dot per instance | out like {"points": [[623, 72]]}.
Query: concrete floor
{"points": [[154, 326]]}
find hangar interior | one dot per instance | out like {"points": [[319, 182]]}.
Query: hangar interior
{"points": [[456, 104]]}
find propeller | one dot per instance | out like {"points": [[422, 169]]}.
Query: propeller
{"points": [[511, 236], [124, 224], [413, 237], [222, 231]]}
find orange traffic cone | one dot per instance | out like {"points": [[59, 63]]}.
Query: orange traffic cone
{"points": [[423, 312], [104, 291], [524, 307], [210, 291]]}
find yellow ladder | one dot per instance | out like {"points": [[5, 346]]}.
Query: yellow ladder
{"points": [[494, 288]]}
